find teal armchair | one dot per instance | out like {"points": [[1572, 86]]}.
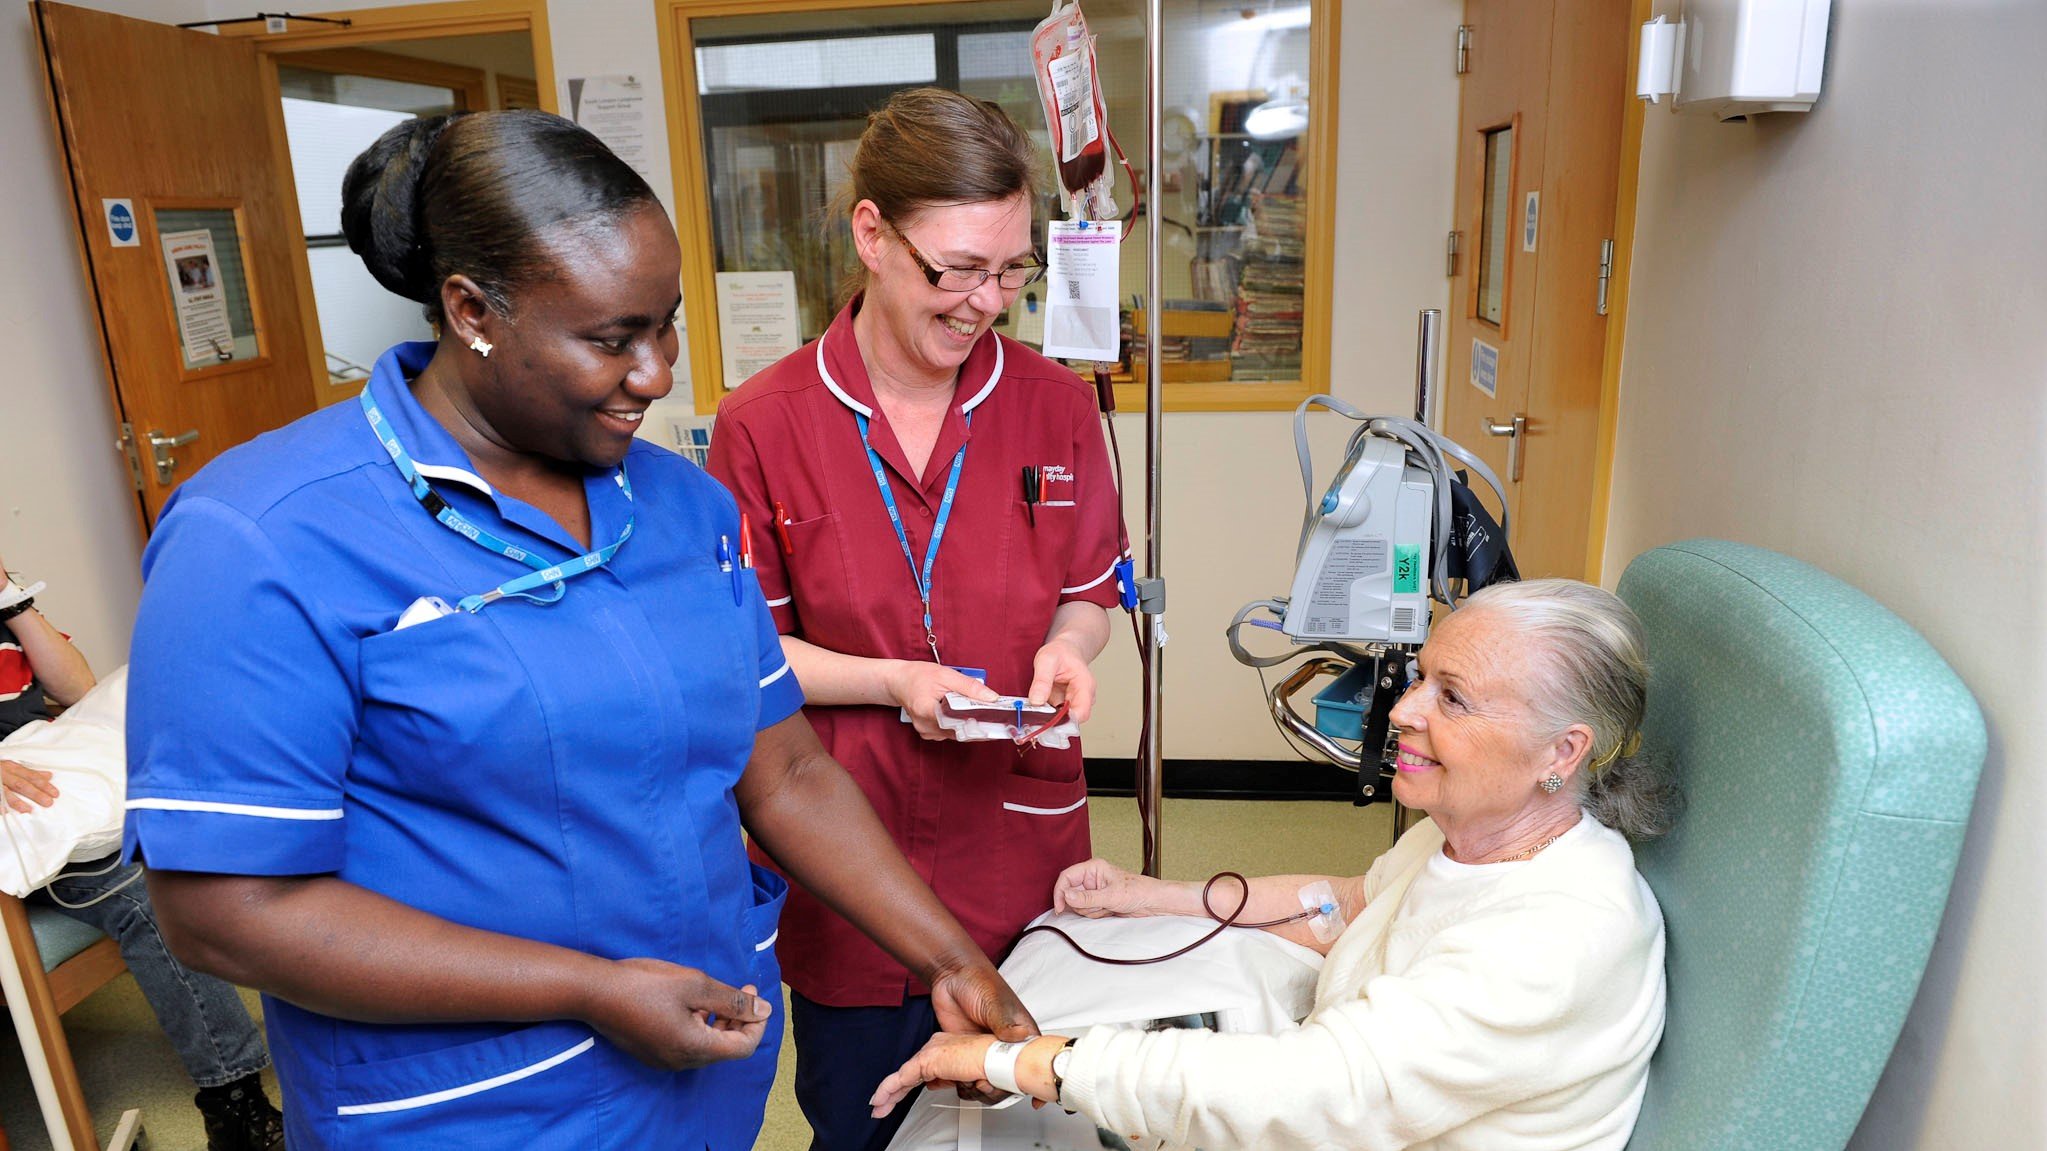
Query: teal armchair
{"points": [[1830, 758]]}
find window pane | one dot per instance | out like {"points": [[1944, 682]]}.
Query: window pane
{"points": [[1495, 215], [783, 98], [325, 139], [365, 92], [995, 56], [839, 62]]}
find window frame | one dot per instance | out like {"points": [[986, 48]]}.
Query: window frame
{"points": [[688, 116]]}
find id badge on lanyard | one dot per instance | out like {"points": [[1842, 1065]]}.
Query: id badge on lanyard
{"points": [[921, 577], [542, 573]]}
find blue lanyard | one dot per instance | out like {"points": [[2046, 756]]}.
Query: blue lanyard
{"points": [[542, 573], [895, 519]]}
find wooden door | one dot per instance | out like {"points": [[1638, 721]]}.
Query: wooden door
{"points": [[1538, 168], [186, 229]]}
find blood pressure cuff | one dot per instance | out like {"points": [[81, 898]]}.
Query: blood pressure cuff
{"points": [[1478, 548]]}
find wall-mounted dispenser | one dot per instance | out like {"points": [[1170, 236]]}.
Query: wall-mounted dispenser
{"points": [[1734, 58]]}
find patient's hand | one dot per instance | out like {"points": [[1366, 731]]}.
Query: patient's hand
{"points": [[1099, 888], [26, 785]]}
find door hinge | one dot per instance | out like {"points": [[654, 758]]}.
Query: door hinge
{"points": [[1605, 271], [1451, 246], [126, 446], [1463, 49]]}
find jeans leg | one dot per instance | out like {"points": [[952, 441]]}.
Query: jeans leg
{"points": [[842, 1054], [203, 1016]]}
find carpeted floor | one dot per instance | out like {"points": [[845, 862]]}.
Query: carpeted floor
{"points": [[126, 1062]]}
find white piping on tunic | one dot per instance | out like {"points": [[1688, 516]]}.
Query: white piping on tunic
{"points": [[234, 809], [1091, 583], [764, 944], [470, 1089], [1076, 805], [994, 377], [782, 671], [825, 374]]}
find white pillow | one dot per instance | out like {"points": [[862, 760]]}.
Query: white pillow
{"points": [[86, 752]]}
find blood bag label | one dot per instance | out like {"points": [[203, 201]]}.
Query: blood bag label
{"points": [[1407, 569], [1076, 93]]}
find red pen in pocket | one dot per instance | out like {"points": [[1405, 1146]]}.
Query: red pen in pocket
{"points": [[745, 543], [782, 529]]}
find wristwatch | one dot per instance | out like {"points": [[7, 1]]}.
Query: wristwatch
{"points": [[1060, 1061], [8, 613]]}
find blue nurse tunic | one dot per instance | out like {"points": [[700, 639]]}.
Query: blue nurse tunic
{"points": [[562, 772]]}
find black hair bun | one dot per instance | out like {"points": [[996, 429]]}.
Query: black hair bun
{"points": [[380, 207]]}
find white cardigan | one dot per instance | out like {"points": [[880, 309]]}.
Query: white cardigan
{"points": [[1521, 1019]]}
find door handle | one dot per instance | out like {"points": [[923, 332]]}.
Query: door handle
{"points": [[160, 446], [1513, 432]]}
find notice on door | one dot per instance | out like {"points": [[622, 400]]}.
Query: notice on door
{"points": [[757, 321], [199, 297], [1485, 367], [614, 109]]}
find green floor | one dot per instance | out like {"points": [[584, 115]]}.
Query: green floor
{"points": [[126, 1062]]}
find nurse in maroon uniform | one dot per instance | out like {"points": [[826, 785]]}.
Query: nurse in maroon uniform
{"points": [[909, 396]]}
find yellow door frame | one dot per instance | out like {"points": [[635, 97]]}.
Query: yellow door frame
{"points": [[1616, 310], [373, 26]]}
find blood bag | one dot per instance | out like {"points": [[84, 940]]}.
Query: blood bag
{"points": [[1069, 87]]}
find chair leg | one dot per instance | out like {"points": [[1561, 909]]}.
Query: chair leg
{"points": [[41, 1029]]}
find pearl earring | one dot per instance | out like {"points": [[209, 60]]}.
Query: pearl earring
{"points": [[481, 345], [1551, 783]]}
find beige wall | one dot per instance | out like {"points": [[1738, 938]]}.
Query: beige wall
{"points": [[1835, 350]]}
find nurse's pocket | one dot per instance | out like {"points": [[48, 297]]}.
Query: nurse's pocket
{"points": [[1044, 829], [529, 1088], [741, 1087]]}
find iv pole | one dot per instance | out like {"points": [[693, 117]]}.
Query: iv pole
{"points": [[1150, 762]]}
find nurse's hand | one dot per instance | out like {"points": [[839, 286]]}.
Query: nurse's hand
{"points": [[676, 1017], [1060, 674], [919, 688], [976, 1000]]}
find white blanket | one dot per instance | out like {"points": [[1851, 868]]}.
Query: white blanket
{"points": [[86, 752], [1247, 980]]}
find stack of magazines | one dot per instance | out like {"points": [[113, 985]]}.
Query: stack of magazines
{"points": [[1270, 288]]}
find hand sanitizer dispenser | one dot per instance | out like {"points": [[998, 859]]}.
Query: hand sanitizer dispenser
{"points": [[1734, 58]]}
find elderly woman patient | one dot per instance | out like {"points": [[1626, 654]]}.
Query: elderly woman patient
{"points": [[1499, 985]]}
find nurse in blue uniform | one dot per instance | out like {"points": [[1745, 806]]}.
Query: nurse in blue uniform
{"points": [[449, 706]]}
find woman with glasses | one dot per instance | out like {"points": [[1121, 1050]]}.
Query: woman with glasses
{"points": [[932, 512]]}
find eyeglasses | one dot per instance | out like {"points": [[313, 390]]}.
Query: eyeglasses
{"points": [[967, 279]]}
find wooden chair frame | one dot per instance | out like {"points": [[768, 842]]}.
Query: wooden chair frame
{"points": [[37, 1001]]}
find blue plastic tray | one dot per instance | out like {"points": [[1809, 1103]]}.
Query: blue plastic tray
{"points": [[1340, 708]]}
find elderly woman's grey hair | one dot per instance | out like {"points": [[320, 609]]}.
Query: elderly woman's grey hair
{"points": [[1598, 675]]}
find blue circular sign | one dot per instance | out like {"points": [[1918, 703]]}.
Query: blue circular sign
{"points": [[121, 222]]}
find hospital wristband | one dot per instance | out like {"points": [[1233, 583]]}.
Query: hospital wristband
{"points": [[998, 1065]]}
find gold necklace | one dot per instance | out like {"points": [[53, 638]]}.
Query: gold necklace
{"points": [[1531, 852]]}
